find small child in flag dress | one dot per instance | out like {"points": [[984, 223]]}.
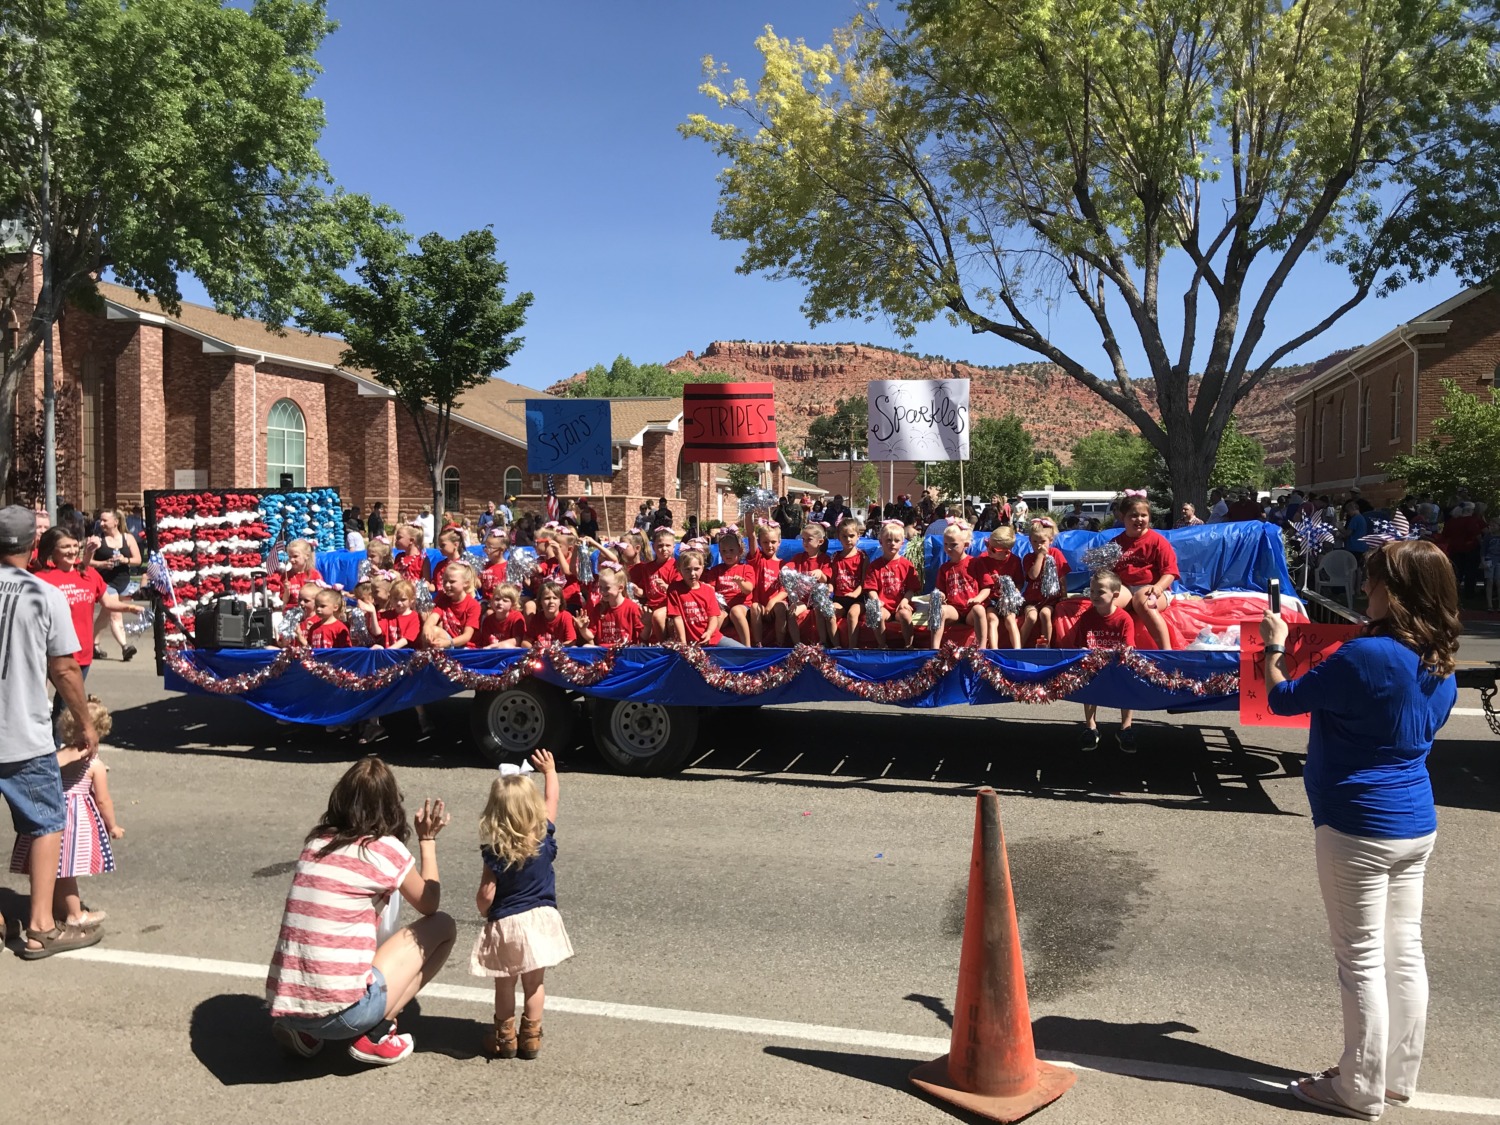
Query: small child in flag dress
{"points": [[90, 827], [523, 934]]}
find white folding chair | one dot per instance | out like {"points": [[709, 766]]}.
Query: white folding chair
{"points": [[1338, 570]]}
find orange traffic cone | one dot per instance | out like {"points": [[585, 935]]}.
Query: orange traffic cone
{"points": [[991, 1068]]}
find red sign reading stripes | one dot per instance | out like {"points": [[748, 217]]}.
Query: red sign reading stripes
{"points": [[728, 423]]}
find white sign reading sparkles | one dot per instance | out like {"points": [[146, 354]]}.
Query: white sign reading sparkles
{"points": [[919, 420]]}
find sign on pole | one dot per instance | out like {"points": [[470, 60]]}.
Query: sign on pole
{"points": [[1307, 646], [919, 420], [568, 435], [728, 423]]}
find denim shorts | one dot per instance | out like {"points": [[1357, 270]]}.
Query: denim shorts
{"points": [[34, 791], [362, 1017]]}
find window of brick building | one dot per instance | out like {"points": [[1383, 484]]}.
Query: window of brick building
{"points": [[1343, 420], [1307, 439], [1322, 431], [1396, 409], [286, 444], [512, 481], [1364, 418], [452, 497]]}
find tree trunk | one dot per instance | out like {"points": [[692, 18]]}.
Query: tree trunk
{"points": [[435, 471], [16, 364], [1190, 466]]}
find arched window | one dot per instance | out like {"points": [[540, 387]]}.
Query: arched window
{"points": [[286, 444], [1343, 419], [512, 481], [452, 499], [1396, 409], [1322, 431], [1364, 418], [1307, 439]]}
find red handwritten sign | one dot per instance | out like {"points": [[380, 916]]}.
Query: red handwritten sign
{"points": [[1307, 646], [728, 423]]}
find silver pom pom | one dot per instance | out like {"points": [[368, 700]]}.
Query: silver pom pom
{"points": [[935, 602], [135, 625], [872, 611], [585, 566], [1050, 586], [821, 600], [519, 568], [363, 573], [289, 622], [1106, 556], [755, 499], [424, 598], [1009, 601], [796, 584]]}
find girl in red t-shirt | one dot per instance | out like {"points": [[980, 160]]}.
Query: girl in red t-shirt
{"points": [[999, 561], [299, 562], [411, 562], [550, 624], [1102, 625], [450, 542], [848, 582], [378, 553], [495, 572], [894, 580], [1037, 622], [399, 623], [328, 629], [1147, 567], [733, 579], [453, 621], [303, 616], [768, 592], [693, 609], [504, 625], [814, 560], [653, 578], [614, 619], [963, 597]]}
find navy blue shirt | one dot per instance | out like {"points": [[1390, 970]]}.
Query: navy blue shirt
{"points": [[525, 886], [1374, 714]]}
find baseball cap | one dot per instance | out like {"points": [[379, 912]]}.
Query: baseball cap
{"points": [[17, 527]]}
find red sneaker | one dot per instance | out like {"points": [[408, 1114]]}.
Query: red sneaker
{"points": [[297, 1043], [389, 1051]]}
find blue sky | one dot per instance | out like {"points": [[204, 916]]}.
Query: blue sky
{"points": [[556, 123]]}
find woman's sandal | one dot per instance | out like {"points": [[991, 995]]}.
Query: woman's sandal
{"points": [[1391, 1097], [1317, 1090], [59, 939]]}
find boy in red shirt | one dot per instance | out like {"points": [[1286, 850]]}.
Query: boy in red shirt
{"points": [[653, 579], [848, 581], [999, 561], [504, 626], [614, 619], [733, 579], [893, 580], [1102, 626], [550, 623], [693, 610]]}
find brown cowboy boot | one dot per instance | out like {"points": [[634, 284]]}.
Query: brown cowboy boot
{"points": [[500, 1040], [529, 1043]]}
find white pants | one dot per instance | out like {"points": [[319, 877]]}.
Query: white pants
{"points": [[1372, 891]]}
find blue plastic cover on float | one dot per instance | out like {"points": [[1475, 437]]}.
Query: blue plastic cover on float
{"points": [[1228, 557], [657, 675]]}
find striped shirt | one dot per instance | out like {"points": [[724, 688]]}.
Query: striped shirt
{"points": [[327, 940]]}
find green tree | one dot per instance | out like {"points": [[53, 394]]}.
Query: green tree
{"points": [[1048, 472], [1001, 459], [742, 478], [978, 157], [841, 434], [429, 323], [179, 136], [1241, 460], [1279, 475], [1111, 461], [866, 485], [625, 379], [1464, 451]]}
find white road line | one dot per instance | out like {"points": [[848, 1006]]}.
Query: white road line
{"points": [[1469, 712], [919, 1045]]}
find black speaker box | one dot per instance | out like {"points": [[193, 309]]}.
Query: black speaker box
{"points": [[225, 624]]}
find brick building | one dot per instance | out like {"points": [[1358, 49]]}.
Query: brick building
{"points": [[1380, 400], [203, 400]]}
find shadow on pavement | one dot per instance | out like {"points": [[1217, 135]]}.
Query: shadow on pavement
{"points": [[1466, 774], [230, 1035]]}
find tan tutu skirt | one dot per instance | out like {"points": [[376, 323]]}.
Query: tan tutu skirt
{"points": [[522, 943]]}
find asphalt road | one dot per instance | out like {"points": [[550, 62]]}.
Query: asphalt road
{"points": [[783, 916]]}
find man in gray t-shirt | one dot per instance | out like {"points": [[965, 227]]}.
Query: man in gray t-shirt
{"points": [[37, 643]]}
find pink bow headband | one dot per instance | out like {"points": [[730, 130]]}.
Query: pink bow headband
{"points": [[697, 544], [1133, 492], [897, 524], [1044, 521], [728, 529], [608, 564]]}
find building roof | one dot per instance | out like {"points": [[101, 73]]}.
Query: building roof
{"points": [[792, 484], [630, 418]]}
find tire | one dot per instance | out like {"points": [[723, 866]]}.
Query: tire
{"points": [[507, 725], [643, 739]]}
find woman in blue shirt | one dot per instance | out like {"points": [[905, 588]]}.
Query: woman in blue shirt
{"points": [[1376, 705]]}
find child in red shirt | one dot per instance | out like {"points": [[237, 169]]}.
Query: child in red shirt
{"points": [[1147, 569], [453, 621], [814, 560], [411, 563], [1037, 623], [693, 609], [400, 625], [304, 615], [614, 619], [550, 625], [450, 541], [496, 565], [848, 582], [504, 625], [998, 562], [653, 578], [733, 579], [768, 592], [328, 630], [300, 569], [963, 597], [893, 580], [1102, 625]]}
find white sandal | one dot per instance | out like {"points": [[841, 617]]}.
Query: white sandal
{"points": [[1317, 1090]]}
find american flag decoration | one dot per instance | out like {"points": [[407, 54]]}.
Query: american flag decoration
{"points": [[158, 577], [551, 498], [1394, 530], [1313, 534]]}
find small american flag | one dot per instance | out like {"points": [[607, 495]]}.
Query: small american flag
{"points": [[158, 577], [551, 498]]}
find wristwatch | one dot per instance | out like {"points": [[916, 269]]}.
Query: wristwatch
{"points": [[1275, 648]]}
